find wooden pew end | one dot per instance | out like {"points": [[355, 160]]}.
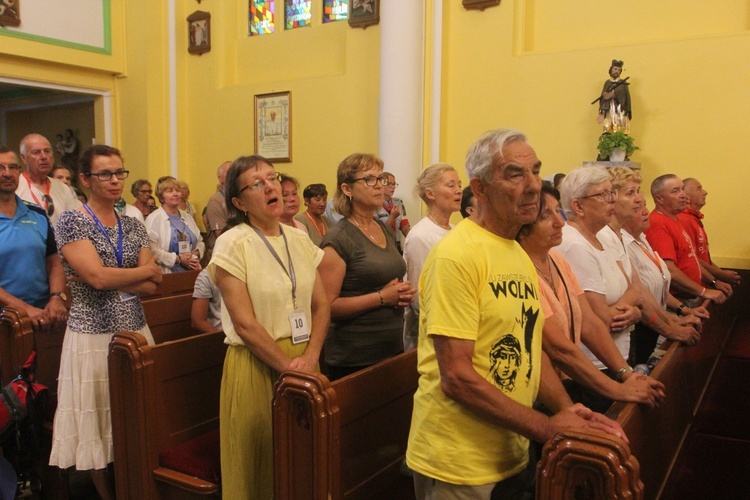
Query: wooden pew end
{"points": [[587, 464]]}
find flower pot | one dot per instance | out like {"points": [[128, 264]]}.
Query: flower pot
{"points": [[617, 154]]}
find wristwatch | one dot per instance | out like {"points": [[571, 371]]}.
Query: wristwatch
{"points": [[59, 294]]}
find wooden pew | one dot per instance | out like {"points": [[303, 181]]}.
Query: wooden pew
{"points": [[17, 339], [169, 317], [345, 439], [168, 310], [579, 464], [165, 408], [174, 284], [16, 342]]}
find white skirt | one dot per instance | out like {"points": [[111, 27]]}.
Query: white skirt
{"points": [[82, 430]]}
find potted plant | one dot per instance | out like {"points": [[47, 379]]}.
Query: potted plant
{"points": [[610, 142]]}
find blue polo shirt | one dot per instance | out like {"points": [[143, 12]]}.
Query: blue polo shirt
{"points": [[26, 241]]}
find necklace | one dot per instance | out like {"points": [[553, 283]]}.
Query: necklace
{"points": [[367, 231], [548, 278], [429, 216]]}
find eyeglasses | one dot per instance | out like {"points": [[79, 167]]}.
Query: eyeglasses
{"points": [[392, 184], [13, 167], [372, 181], [50, 204], [145, 191], [607, 196], [271, 179], [105, 176]]}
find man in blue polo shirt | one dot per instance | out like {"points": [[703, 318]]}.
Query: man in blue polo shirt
{"points": [[31, 275]]}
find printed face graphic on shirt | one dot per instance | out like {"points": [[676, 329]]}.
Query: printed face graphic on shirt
{"points": [[505, 358], [507, 355]]}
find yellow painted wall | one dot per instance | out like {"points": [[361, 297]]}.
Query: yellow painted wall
{"points": [[529, 64], [535, 65], [331, 71]]}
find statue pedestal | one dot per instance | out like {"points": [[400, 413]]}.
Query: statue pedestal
{"points": [[609, 164]]}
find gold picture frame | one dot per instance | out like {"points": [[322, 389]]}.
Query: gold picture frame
{"points": [[199, 32], [10, 13], [273, 126]]}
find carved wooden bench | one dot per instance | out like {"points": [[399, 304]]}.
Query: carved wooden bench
{"points": [[345, 439], [165, 415]]}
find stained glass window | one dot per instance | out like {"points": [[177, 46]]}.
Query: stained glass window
{"points": [[297, 13], [335, 10], [261, 17]]}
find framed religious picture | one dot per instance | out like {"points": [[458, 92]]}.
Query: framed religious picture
{"points": [[10, 13], [273, 126], [364, 13], [199, 32]]}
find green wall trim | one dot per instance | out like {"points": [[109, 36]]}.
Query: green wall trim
{"points": [[106, 49]]}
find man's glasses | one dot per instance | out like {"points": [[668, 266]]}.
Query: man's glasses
{"points": [[271, 179], [13, 167], [607, 196], [372, 181], [50, 204], [105, 176]]}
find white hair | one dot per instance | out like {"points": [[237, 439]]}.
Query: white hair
{"points": [[487, 150], [578, 182]]}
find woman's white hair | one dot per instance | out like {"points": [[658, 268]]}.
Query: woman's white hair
{"points": [[578, 182], [487, 150]]}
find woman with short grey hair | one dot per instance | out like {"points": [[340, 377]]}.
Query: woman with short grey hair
{"points": [[588, 200]]}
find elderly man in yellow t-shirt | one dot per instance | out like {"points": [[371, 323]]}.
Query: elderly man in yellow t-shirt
{"points": [[480, 359]]}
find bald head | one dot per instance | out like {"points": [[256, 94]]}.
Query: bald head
{"points": [[36, 154], [221, 172], [695, 193]]}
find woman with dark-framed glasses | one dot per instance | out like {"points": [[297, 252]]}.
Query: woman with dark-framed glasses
{"points": [[108, 262], [274, 314], [362, 271]]}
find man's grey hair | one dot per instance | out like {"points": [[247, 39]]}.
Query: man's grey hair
{"points": [[578, 182], [658, 184], [488, 150]]}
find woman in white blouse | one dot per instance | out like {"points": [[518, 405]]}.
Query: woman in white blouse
{"points": [[175, 239]]}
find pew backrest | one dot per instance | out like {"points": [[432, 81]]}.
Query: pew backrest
{"points": [[168, 318], [174, 284]]}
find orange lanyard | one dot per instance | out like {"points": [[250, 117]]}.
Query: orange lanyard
{"points": [[321, 232], [651, 257], [31, 190]]}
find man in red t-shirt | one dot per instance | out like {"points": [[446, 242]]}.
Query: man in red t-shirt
{"points": [[690, 218], [670, 239]]}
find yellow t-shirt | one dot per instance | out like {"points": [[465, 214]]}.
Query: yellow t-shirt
{"points": [[242, 253], [476, 286]]}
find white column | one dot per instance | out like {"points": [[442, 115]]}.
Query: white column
{"points": [[401, 96], [172, 68]]}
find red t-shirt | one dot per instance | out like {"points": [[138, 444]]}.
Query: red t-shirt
{"points": [[668, 237], [691, 221]]}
